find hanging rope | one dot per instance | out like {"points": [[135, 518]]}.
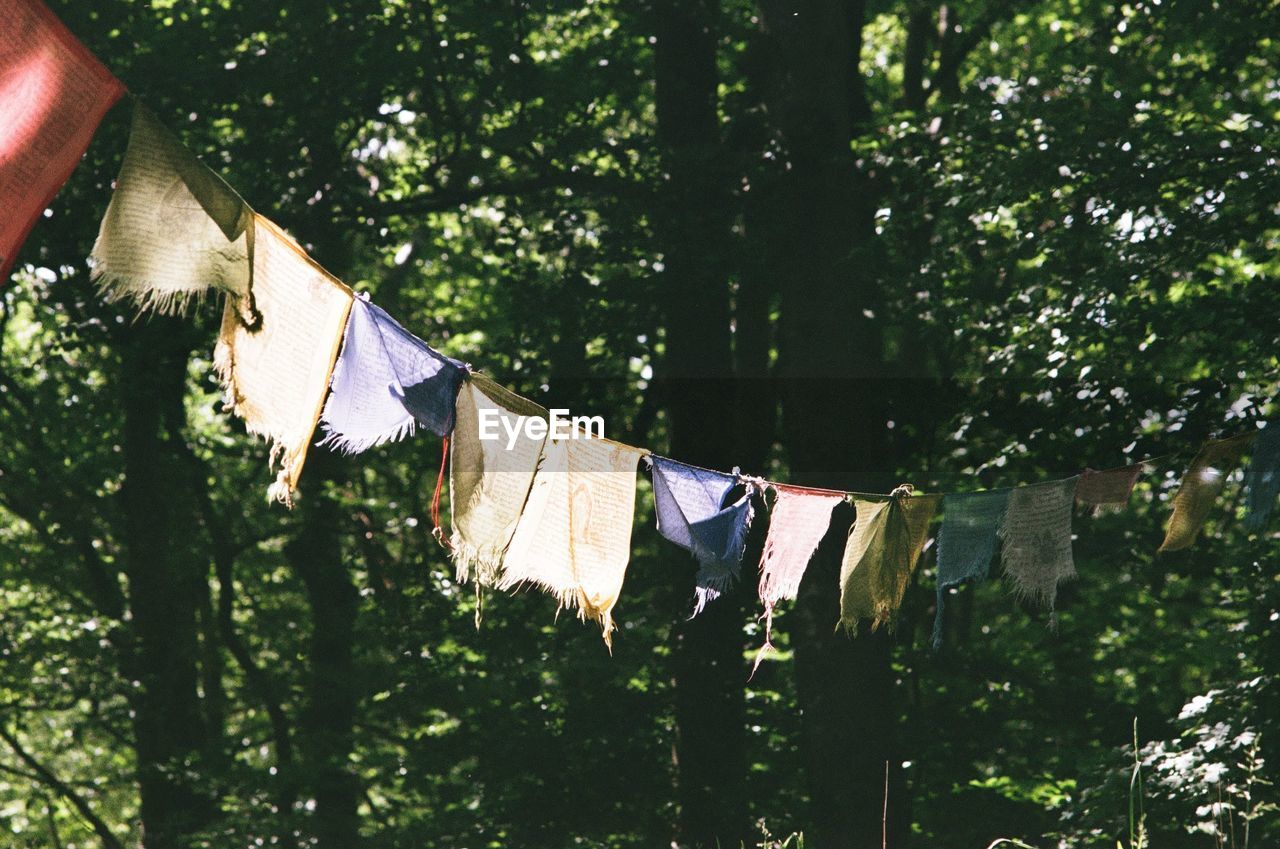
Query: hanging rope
{"points": [[437, 531]]}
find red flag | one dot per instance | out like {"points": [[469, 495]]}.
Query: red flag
{"points": [[53, 94]]}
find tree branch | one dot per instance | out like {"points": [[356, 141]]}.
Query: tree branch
{"points": [[449, 197], [47, 778], [224, 557]]}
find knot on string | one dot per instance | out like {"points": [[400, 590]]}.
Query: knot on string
{"points": [[751, 482]]}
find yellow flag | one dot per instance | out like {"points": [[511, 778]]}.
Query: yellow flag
{"points": [[1200, 487]]}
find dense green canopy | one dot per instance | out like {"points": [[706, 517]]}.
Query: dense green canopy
{"points": [[842, 242]]}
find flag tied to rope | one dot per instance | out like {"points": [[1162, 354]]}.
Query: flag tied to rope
{"points": [[798, 521], [1262, 480], [574, 538], [1200, 486], [966, 542], [691, 509], [275, 374], [1107, 488], [386, 382], [174, 229], [53, 94], [1037, 539], [489, 479], [880, 556]]}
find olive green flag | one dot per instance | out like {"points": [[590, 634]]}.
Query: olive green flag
{"points": [[881, 554]]}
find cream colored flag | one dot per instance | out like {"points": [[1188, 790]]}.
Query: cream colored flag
{"points": [[174, 230], [276, 374], [574, 538], [489, 478]]}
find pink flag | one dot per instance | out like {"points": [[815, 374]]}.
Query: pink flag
{"points": [[53, 93], [798, 521]]}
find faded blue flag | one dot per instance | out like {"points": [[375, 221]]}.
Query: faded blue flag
{"points": [[1262, 480], [691, 513], [967, 542], [385, 383]]}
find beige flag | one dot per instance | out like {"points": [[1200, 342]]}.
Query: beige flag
{"points": [[173, 230], [489, 478], [574, 539], [276, 374], [880, 556], [1200, 487], [1036, 539]]}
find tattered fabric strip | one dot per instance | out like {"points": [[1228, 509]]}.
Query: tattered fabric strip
{"points": [[385, 383], [489, 479], [799, 520], [966, 543], [1037, 539], [275, 375], [53, 94], [174, 229], [1200, 487], [688, 502], [1262, 480], [574, 537], [1107, 488], [880, 556]]}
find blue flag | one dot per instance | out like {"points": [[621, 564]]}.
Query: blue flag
{"points": [[385, 383], [692, 514], [967, 542]]}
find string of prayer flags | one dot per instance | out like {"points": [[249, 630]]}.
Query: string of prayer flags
{"points": [[1037, 539], [385, 383], [1109, 488], [53, 94], [966, 542], [297, 349], [798, 521], [275, 374], [174, 229], [574, 537], [689, 502], [880, 556], [489, 479], [1262, 480], [1200, 486]]}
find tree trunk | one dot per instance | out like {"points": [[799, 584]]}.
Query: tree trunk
{"points": [[326, 727], [326, 736], [166, 576], [694, 228], [833, 420]]}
